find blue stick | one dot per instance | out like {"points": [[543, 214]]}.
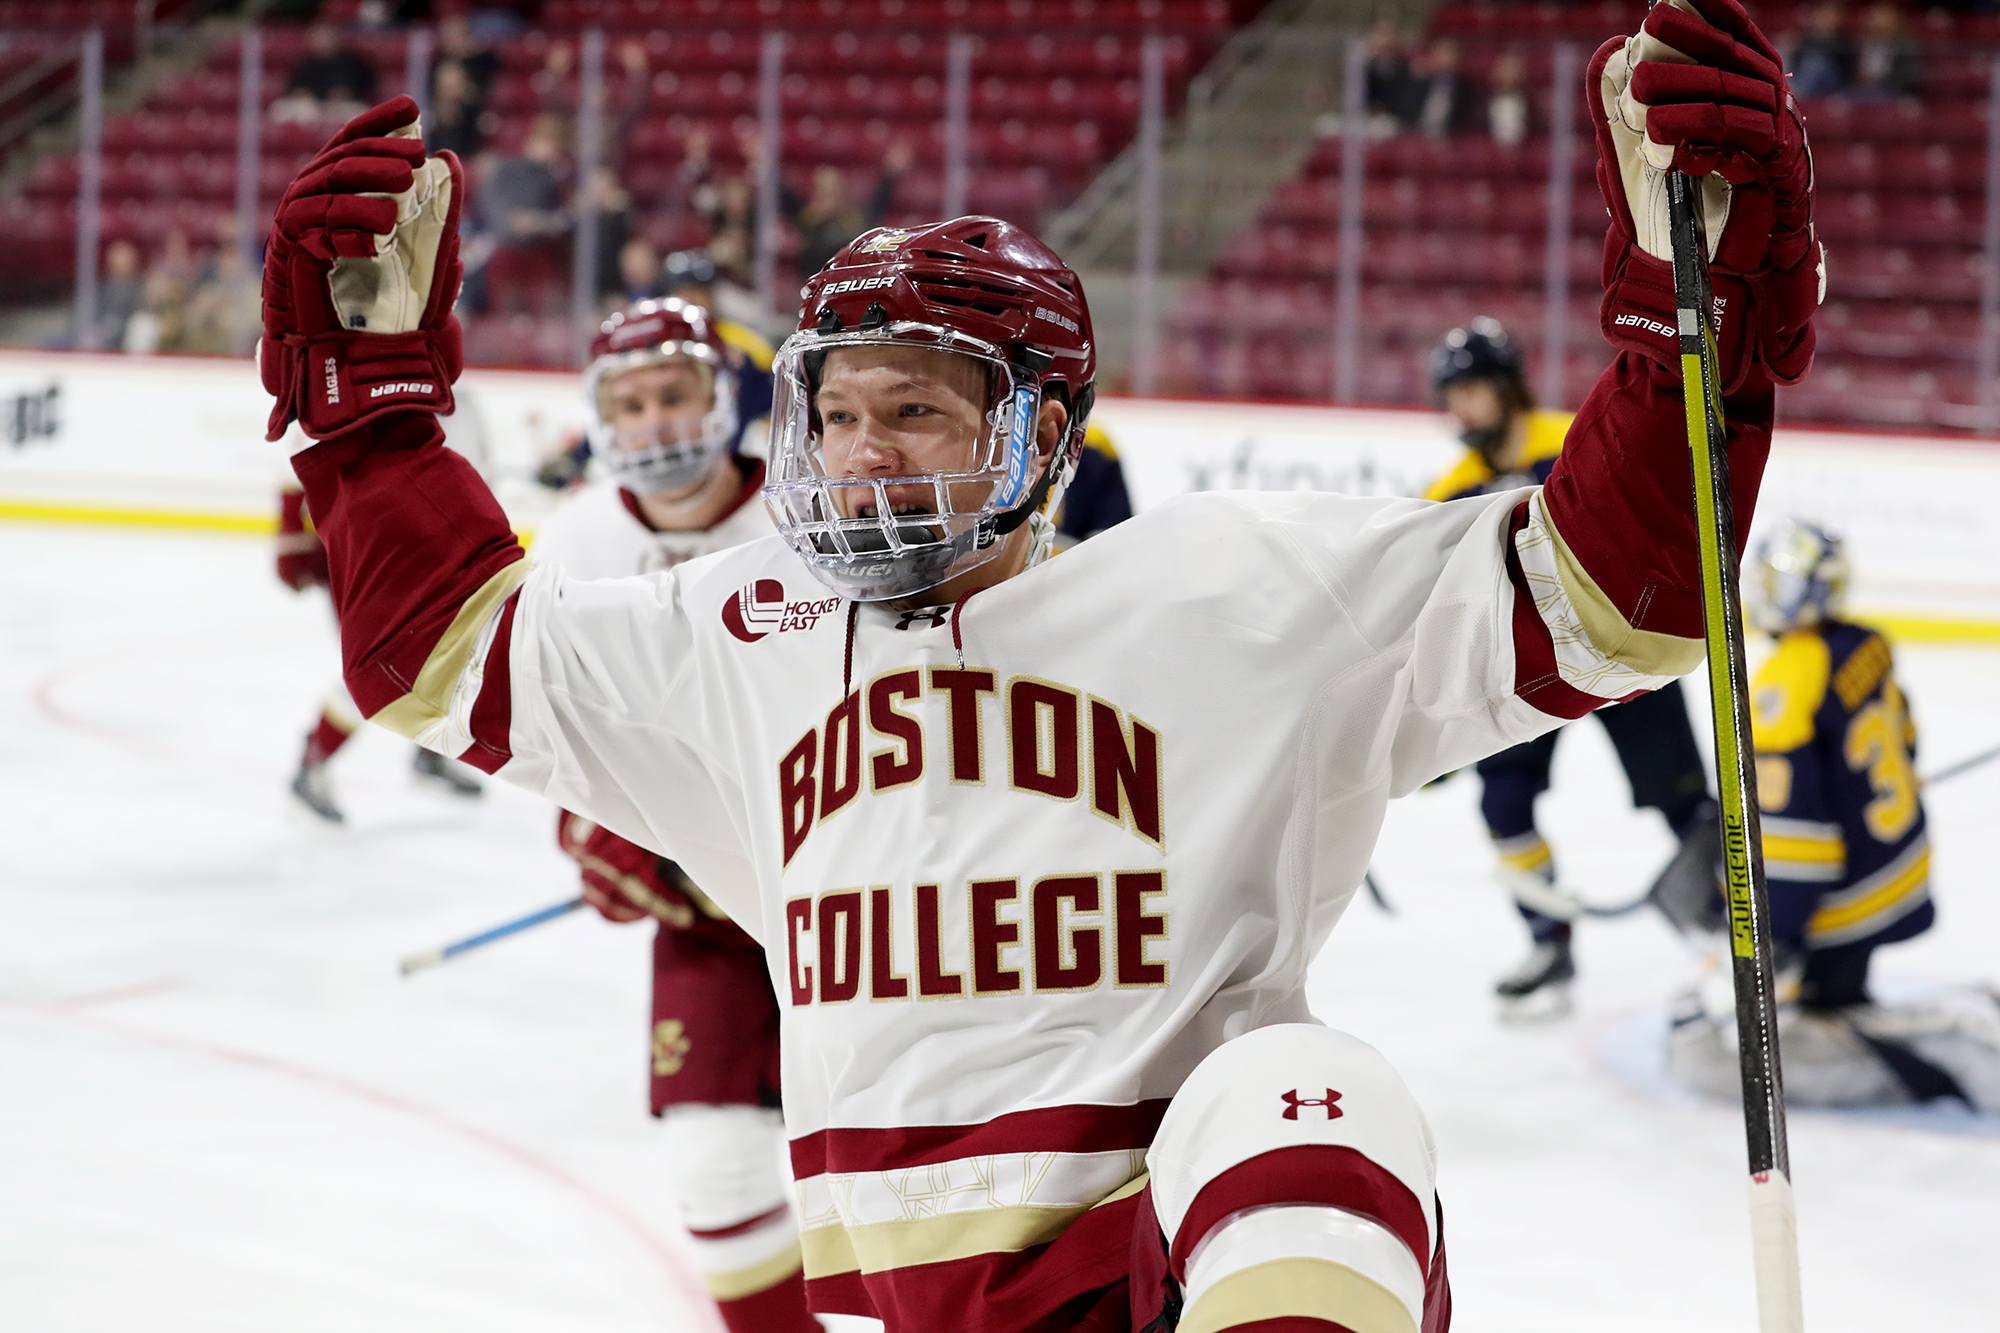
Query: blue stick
{"points": [[416, 962]]}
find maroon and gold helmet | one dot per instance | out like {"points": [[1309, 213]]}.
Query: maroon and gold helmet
{"points": [[976, 288], [648, 334]]}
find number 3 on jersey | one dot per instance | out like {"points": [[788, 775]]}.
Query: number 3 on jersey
{"points": [[1877, 743]]}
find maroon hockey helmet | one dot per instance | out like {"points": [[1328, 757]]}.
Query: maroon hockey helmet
{"points": [[648, 334], [976, 288]]}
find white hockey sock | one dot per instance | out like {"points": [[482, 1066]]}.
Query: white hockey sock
{"points": [[733, 1194]]}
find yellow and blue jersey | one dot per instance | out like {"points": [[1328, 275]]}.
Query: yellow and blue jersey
{"points": [[1845, 843], [1096, 498], [1473, 475], [751, 355]]}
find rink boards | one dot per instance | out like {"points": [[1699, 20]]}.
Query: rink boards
{"points": [[178, 442]]}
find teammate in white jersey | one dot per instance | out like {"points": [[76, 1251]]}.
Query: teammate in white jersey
{"points": [[1041, 850], [663, 418]]}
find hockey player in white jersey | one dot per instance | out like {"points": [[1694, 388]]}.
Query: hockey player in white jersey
{"points": [[663, 418], [1041, 850]]}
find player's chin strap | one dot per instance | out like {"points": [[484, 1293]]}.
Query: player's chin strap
{"points": [[1013, 518], [1037, 360]]}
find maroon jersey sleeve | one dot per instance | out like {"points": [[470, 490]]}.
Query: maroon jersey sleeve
{"points": [[1619, 510], [421, 558]]}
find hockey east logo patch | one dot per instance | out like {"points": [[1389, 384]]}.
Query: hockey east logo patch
{"points": [[759, 610]]}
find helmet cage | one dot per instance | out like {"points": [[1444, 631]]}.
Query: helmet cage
{"points": [[884, 556], [1798, 578], [662, 464]]}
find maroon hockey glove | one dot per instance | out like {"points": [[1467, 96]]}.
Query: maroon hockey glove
{"points": [[621, 879], [359, 279], [301, 554], [1701, 90]]}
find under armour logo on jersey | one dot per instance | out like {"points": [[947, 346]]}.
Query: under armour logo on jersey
{"points": [[1293, 1102], [936, 615]]}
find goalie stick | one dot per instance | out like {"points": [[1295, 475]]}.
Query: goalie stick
{"points": [[417, 962], [1773, 1215]]}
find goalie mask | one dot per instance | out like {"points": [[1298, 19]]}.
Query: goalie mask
{"points": [[1797, 577], [675, 447], [906, 416]]}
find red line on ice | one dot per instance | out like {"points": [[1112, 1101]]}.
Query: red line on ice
{"points": [[683, 1280], [43, 692]]}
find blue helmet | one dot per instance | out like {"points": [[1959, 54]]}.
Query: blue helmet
{"points": [[688, 268], [1480, 350], [1797, 576]]}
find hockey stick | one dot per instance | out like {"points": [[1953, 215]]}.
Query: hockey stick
{"points": [[1773, 1216], [417, 962], [1981, 759], [1558, 902]]}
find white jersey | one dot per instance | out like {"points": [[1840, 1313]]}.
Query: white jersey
{"points": [[598, 533], [1019, 864]]}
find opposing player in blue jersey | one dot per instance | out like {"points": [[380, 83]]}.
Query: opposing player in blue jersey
{"points": [[1511, 442], [1847, 852]]}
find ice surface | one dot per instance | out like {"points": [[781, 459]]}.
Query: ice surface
{"points": [[223, 1110]]}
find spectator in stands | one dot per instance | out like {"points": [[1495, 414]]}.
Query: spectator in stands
{"points": [[727, 207], [1388, 77], [829, 219], [331, 81], [504, 18], [160, 324], [554, 82], [222, 310], [694, 277], [1822, 58], [614, 226], [177, 258], [730, 211], [457, 45], [521, 201], [1507, 100], [1885, 65], [119, 294], [629, 103], [224, 314], [453, 119], [1440, 100], [639, 276]]}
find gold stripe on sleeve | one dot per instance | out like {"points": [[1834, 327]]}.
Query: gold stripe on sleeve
{"points": [[1644, 651], [426, 704]]}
